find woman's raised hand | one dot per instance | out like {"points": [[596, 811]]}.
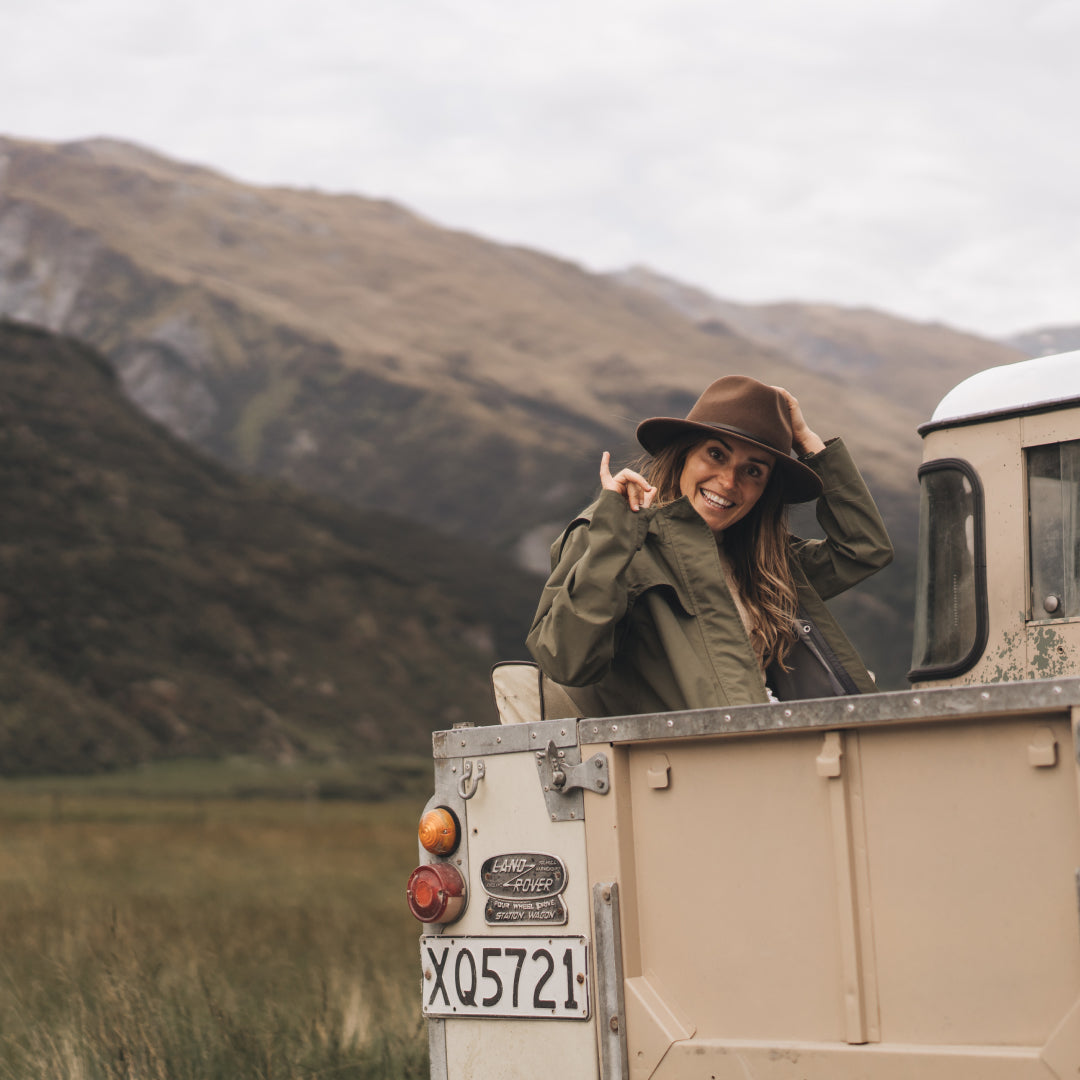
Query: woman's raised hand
{"points": [[637, 491], [804, 440]]}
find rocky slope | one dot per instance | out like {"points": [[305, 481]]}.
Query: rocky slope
{"points": [[911, 364], [1048, 340], [361, 352], [357, 349], [153, 603]]}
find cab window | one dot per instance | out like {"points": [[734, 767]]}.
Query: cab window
{"points": [[950, 581], [1053, 478]]}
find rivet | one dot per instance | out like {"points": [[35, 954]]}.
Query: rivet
{"points": [[606, 894], [671, 723], [613, 1023], [614, 727], [727, 718], [534, 734], [498, 738], [552, 817], [916, 701], [850, 708], [985, 695], [563, 732], [462, 742], [599, 762], [787, 712], [573, 814], [1057, 689]]}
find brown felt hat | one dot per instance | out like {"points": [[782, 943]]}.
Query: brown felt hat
{"points": [[740, 406]]}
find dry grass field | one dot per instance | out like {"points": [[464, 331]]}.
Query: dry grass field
{"points": [[206, 938]]}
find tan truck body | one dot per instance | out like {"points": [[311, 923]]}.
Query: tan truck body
{"points": [[880, 886]]}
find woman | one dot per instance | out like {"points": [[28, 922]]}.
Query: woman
{"points": [[681, 587]]}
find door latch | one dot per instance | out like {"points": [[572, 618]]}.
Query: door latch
{"points": [[563, 780]]}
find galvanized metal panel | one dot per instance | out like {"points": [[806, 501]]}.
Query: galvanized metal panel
{"points": [[864, 710]]}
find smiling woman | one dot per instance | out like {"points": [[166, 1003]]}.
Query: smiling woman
{"points": [[681, 587]]}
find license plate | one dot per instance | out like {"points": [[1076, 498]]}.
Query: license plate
{"points": [[534, 977]]}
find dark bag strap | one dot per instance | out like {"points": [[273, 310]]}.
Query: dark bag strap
{"points": [[814, 671]]}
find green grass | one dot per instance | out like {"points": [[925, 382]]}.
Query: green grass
{"points": [[371, 779], [150, 938]]}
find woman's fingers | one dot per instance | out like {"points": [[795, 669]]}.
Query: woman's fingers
{"points": [[804, 440], [605, 472], [637, 491]]}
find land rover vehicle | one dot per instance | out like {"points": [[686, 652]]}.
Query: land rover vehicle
{"points": [[879, 886]]}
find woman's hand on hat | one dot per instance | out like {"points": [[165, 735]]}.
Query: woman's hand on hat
{"points": [[803, 439], [637, 491]]}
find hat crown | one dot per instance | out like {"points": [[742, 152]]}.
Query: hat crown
{"points": [[746, 408]]}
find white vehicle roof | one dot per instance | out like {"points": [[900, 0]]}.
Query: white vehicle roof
{"points": [[1013, 387]]}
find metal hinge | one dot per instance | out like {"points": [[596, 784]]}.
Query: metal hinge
{"points": [[563, 780]]}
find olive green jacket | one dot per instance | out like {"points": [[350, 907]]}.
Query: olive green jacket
{"points": [[637, 608]]}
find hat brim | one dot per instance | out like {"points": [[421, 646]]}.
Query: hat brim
{"points": [[799, 483]]}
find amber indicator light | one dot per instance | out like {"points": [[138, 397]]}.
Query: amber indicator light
{"points": [[436, 893], [439, 831]]}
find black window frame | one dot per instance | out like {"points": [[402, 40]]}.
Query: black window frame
{"points": [[982, 609]]}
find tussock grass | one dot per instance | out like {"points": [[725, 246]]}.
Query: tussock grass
{"points": [[264, 939]]}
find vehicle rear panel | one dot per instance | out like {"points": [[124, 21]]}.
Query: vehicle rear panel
{"points": [[874, 887]]}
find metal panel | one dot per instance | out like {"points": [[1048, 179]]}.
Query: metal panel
{"points": [[610, 1007], [864, 710], [902, 706], [436, 1032], [503, 738]]}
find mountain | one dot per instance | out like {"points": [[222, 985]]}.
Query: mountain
{"points": [[360, 352], [1047, 341], [154, 604], [895, 356]]}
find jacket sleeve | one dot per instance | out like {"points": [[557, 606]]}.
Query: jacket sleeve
{"points": [[856, 542], [575, 632]]}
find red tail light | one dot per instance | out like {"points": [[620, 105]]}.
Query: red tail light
{"points": [[436, 893]]}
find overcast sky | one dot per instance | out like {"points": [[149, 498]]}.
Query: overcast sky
{"points": [[919, 156]]}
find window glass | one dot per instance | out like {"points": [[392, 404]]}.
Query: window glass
{"points": [[950, 625], [1054, 529]]}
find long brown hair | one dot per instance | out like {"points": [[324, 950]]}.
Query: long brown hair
{"points": [[757, 546]]}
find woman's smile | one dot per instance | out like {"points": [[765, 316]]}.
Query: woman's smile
{"points": [[716, 500]]}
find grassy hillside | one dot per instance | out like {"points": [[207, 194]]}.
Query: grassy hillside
{"points": [[152, 603]]}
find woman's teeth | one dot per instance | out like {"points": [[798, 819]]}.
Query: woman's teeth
{"points": [[716, 500]]}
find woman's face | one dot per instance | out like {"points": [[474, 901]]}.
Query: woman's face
{"points": [[723, 478]]}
